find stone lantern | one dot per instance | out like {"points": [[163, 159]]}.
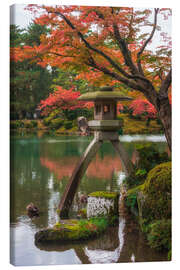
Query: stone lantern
{"points": [[105, 121], [105, 126]]}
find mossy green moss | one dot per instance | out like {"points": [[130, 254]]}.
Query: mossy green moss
{"points": [[104, 194], [72, 230], [159, 236], [157, 192]]}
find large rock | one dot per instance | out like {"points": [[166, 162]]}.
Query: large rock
{"points": [[102, 203], [83, 125]]}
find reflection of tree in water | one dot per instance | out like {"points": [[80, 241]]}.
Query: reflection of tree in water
{"points": [[29, 181]]}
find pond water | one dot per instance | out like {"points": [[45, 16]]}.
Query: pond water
{"points": [[40, 169]]}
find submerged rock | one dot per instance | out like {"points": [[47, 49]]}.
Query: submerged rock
{"points": [[32, 210]]}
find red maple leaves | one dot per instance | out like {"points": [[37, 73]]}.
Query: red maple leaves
{"points": [[64, 100], [143, 107]]}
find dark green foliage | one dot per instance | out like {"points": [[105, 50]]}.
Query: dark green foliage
{"points": [[148, 157], [56, 123], [74, 114], [159, 236], [29, 82], [46, 121], [170, 255], [68, 124], [34, 123], [16, 124], [131, 198], [28, 124]]}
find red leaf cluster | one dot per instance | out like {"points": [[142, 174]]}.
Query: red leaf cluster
{"points": [[62, 99], [143, 106]]}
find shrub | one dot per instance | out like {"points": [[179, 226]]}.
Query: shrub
{"points": [[34, 123], [56, 123], [28, 124], [46, 121], [159, 236], [157, 190], [149, 156], [68, 124], [15, 124], [131, 198]]}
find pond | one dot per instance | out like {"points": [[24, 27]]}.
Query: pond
{"points": [[40, 169]]}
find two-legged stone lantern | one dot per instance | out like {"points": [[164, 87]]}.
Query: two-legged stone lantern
{"points": [[105, 126]]}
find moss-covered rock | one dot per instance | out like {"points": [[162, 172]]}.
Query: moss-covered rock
{"points": [[157, 193], [73, 230]]}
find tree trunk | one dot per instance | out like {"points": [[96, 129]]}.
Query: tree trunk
{"points": [[164, 111]]}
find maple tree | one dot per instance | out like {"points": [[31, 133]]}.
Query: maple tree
{"points": [[62, 99], [106, 46]]}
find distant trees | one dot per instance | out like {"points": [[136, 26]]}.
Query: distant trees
{"points": [[29, 82]]}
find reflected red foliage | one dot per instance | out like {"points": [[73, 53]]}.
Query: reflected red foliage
{"points": [[99, 168]]}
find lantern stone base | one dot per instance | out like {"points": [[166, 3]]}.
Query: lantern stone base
{"points": [[102, 203], [105, 125]]}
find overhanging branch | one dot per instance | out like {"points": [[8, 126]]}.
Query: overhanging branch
{"points": [[147, 41], [114, 75]]}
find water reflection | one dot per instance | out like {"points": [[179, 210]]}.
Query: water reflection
{"points": [[123, 243], [40, 168]]}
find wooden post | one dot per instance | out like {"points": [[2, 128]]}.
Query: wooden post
{"points": [[78, 173]]}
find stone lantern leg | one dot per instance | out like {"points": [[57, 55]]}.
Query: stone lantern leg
{"points": [[105, 126]]}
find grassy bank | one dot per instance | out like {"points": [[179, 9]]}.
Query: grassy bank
{"points": [[59, 126]]}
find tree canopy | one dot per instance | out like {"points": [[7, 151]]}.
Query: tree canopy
{"points": [[106, 45]]}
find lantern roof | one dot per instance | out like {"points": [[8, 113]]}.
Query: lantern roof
{"points": [[105, 93]]}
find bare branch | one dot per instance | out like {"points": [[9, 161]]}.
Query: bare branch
{"points": [[147, 41]]}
